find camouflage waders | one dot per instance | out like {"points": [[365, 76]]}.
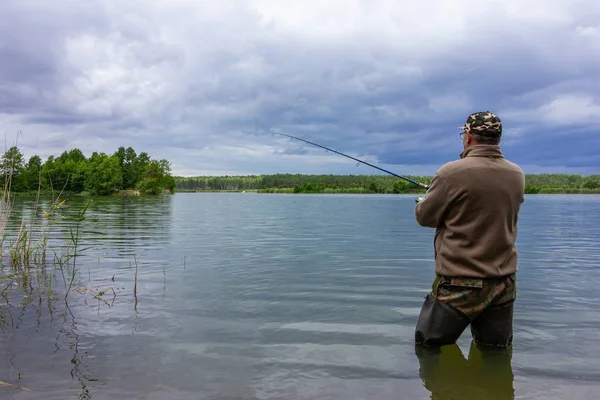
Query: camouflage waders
{"points": [[454, 303]]}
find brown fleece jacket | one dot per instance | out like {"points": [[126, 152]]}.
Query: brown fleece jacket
{"points": [[474, 205]]}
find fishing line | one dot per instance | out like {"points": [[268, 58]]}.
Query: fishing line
{"points": [[355, 159]]}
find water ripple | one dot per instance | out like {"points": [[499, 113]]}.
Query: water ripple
{"points": [[277, 296]]}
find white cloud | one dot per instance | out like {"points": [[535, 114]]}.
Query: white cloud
{"points": [[568, 109], [572, 109], [590, 32]]}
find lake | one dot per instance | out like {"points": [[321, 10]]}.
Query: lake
{"points": [[274, 296]]}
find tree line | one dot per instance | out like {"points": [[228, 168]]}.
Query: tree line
{"points": [[301, 183], [99, 174]]}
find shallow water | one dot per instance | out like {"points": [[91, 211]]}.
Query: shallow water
{"points": [[256, 296]]}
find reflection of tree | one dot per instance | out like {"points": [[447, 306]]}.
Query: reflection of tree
{"points": [[76, 358], [24, 304], [43, 290], [120, 224], [447, 374], [32, 281]]}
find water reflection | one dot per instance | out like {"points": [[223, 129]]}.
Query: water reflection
{"points": [[486, 374], [38, 327], [47, 309], [116, 220], [247, 296]]}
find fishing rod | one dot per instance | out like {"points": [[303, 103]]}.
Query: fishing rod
{"points": [[355, 159]]}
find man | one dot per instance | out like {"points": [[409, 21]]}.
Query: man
{"points": [[474, 204]]}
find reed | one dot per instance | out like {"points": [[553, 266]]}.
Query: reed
{"points": [[39, 243], [25, 239], [10, 385], [135, 283]]}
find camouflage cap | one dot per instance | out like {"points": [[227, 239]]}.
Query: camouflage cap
{"points": [[483, 123]]}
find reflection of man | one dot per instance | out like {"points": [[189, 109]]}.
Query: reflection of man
{"points": [[474, 205], [487, 374]]}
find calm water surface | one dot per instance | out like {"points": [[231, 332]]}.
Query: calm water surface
{"points": [[252, 296]]}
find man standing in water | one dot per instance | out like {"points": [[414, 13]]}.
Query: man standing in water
{"points": [[474, 204]]}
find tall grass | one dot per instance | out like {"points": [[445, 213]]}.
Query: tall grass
{"points": [[24, 251], [40, 248]]}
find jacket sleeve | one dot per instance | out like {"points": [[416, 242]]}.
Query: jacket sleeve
{"points": [[430, 211]]}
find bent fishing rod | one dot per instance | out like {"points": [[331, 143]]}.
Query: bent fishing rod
{"points": [[355, 159]]}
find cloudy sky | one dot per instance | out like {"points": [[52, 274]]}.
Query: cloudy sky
{"points": [[202, 83]]}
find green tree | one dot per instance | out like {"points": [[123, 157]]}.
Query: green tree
{"points": [[74, 166], [592, 182], [55, 175], [157, 178], [12, 166], [104, 174], [139, 166], [127, 160], [130, 175], [400, 186], [32, 173]]}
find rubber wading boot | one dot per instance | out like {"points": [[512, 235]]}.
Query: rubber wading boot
{"points": [[439, 323], [494, 326]]}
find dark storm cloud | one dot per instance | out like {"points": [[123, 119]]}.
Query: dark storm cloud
{"points": [[32, 38], [193, 80]]}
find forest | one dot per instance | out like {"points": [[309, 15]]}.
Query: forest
{"points": [[127, 172], [300, 183], [73, 172]]}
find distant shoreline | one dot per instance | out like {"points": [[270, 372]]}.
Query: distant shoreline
{"points": [[127, 193], [367, 184], [291, 191]]}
